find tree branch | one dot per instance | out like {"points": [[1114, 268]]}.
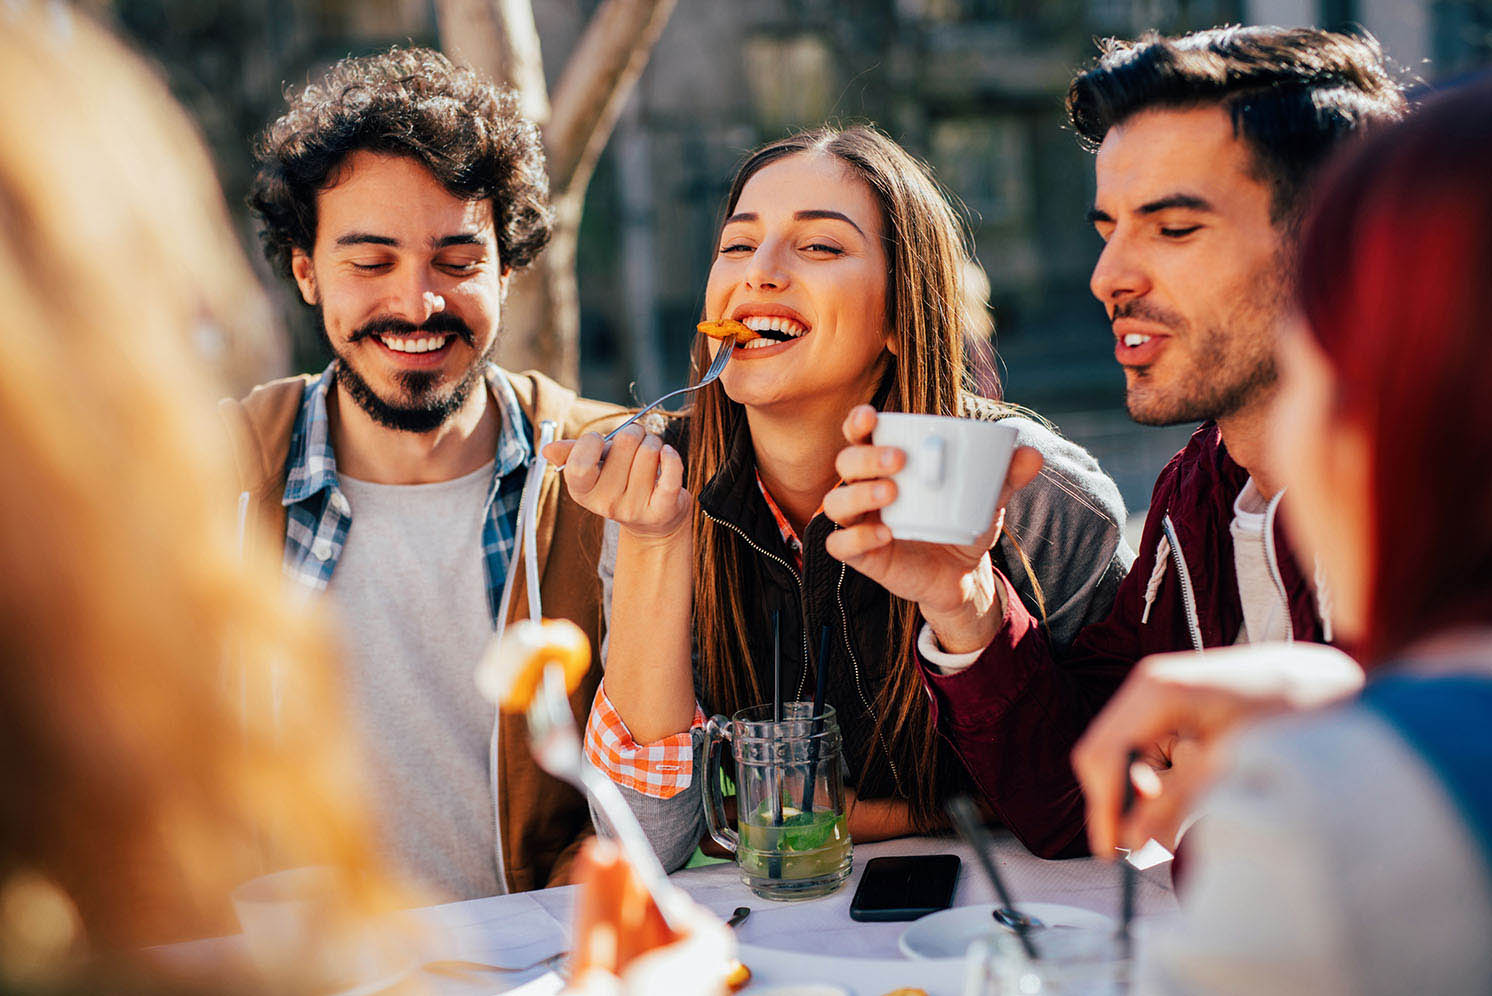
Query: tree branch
{"points": [[596, 82], [498, 38]]}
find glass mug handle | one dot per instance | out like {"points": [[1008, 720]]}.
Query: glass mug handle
{"points": [[717, 733]]}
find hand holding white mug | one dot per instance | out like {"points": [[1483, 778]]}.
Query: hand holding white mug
{"points": [[953, 585], [639, 486]]}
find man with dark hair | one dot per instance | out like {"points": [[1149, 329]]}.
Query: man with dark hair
{"points": [[1206, 145], [401, 193]]}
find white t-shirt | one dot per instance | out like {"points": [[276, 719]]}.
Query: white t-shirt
{"points": [[411, 591], [1266, 614]]}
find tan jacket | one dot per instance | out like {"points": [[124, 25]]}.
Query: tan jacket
{"points": [[542, 820]]}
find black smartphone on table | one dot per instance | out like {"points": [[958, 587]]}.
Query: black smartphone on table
{"points": [[905, 887]]}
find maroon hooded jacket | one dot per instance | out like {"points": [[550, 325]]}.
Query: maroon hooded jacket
{"points": [[1015, 714]]}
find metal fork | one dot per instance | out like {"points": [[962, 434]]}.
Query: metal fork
{"points": [[556, 746], [722, 356]]}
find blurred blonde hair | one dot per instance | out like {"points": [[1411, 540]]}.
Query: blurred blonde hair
{"points": [[162, 702]]}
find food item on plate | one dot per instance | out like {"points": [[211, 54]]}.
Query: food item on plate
{"points": [[512, 668], [907, 992], [728, 328]]}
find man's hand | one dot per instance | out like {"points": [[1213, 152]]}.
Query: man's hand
{"points": [[1197, 700], [954, 586]]}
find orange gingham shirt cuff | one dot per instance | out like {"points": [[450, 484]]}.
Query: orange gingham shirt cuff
{"points": [[661, 770]]}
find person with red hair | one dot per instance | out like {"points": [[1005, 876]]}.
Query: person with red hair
{"points": [[1348, 848]]}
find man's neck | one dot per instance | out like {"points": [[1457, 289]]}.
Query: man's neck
{"points": [[368, 451], [1246, 434], [795, 458]]}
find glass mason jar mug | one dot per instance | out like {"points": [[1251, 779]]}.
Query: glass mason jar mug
{"points": [[791, 840]]}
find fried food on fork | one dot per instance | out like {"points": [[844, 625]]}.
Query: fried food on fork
{"points": [[511, 670], [729, 328]]}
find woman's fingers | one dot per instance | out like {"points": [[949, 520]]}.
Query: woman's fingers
{"points": [[848, 502], [558, 451], [859, 424], [642, 475], [582, 463], [1025, 463], [854, 542]]}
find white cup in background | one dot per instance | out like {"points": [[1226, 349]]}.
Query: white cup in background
{"points": [[950, 487], [300, 931]]}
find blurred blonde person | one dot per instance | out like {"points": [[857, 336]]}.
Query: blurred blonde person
{"points": [[142, 779]]}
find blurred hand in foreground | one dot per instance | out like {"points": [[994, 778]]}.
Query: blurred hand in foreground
{"points": [[1190, 703], [622, 945]]}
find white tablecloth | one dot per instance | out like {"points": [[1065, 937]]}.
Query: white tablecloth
{"points": [[810, 941]]}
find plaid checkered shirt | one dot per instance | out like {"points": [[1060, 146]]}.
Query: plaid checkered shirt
{"points": [[665, 768], [318, 515]]}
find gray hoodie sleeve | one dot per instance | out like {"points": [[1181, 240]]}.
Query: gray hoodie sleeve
{"points": [[675, 825], [1069, 524]]}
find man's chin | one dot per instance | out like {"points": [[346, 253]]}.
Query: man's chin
{"points": [[418, 407]]}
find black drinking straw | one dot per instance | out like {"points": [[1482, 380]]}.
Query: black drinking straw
{"points": [[818, 720], [1127, 882], [966, 821], [774, 864]]}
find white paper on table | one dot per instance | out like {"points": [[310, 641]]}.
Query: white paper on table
{"points": [[514, 934]]}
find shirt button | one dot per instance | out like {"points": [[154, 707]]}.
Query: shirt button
{"points": [[321, 549], [339, 505]]}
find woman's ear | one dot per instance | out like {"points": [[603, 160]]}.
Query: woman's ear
{"points": [[893, 346]]}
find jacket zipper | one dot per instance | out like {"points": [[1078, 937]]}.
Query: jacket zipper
{"points": [[802, 595], [1274, 568], [844, 629], [1188, 596]]}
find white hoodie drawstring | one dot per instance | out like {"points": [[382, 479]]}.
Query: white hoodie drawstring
{"points": [[1152, 587], [1323, 601]]}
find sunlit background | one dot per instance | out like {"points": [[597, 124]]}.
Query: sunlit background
{"points": [[973, 86]]}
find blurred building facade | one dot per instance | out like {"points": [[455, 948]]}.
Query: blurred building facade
{"points": [[973, 86]]}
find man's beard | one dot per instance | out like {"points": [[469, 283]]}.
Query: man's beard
{"points": [[423, 410], [1227, 369]]}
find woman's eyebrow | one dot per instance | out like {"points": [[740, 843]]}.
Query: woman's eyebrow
{"points": [[816, 215]]}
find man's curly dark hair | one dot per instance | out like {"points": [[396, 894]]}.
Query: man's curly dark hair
{"points": [[466, 130]]}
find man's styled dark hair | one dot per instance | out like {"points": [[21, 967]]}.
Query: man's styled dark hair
{"points": [[1293, 93], [467, 131]]}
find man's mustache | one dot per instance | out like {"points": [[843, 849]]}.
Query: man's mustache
{"points": [[437, 324], [1144, 311]]}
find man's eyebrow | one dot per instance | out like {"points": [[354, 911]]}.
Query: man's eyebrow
{"points": [[1189, 202], [817, 214], [365, 238], [459, 239], [1095, 216]]}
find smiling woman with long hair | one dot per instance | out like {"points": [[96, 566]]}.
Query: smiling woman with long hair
{"points": [[840, 246]]}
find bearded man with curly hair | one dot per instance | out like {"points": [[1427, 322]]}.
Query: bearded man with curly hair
{"points": [[400, 193]]}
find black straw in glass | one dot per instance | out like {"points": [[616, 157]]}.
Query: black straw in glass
{"points": [[818, 720], [965, 817], [774, 864], [1127, 883]]}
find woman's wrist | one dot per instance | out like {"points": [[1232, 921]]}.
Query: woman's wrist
{"points": [[679, 539], [972, 622]]}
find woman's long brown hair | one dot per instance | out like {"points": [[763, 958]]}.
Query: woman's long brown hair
{"points": [[926, 251]]}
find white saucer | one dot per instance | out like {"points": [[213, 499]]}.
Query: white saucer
{"points": [[948, 933]]}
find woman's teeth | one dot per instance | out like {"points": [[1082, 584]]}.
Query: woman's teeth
{"points": [[413, 345], [1135, 339], [784, 328]]}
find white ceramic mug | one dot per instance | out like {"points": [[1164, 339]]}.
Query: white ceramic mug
{"points": [[950, 487]]}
